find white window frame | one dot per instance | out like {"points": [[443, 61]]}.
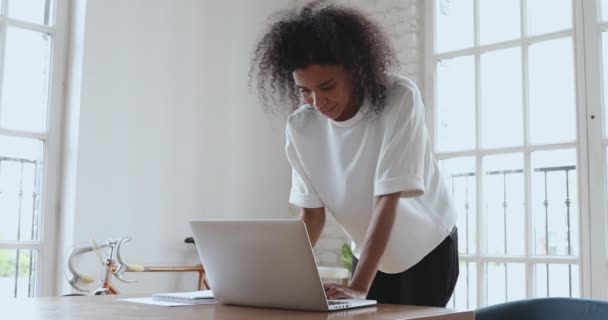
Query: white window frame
{"points": [[51, 174], [593, 121], [591, 162]]}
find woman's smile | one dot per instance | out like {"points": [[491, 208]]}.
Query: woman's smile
{"points": [[328, 110]]}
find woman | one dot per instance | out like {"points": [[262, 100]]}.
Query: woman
{"points": [[358, 146]]}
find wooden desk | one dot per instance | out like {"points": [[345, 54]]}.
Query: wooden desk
{"points": [[108, 308]]}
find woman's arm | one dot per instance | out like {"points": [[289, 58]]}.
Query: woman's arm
{"points": [[314, 218], [376, 238]]}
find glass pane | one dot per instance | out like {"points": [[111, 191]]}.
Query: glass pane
{"points": [[465, 293], [34, 11], [540, 22], [496, 283], [503, 192], [454, 24], [516, 281], [18, 273], [604, 10], [505, 282], [459, 174], [552, 98], [20, 169], [499, 20], [557, 280], [501, 99], [555, 202], [26, 80], [456, 104], [605, 77], [575, 280]]}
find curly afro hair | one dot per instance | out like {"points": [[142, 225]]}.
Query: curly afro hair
{"points": [[322, 34]]}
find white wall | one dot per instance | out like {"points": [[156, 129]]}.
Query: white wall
{"points": [[161, 127], [166, 130]]}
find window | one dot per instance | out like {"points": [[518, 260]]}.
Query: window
{"points": [[30, 64], [507, 85]]}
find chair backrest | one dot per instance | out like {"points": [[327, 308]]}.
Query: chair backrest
{"points": [[546, 308]]}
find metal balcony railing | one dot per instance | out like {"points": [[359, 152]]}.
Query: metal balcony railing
{"points": [[22, 166], [466, 179]]}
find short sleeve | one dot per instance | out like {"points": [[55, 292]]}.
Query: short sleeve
{"points": [[402, 158], [302, 193]]}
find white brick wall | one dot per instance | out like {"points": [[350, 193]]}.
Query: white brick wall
{"points": [[401, 20]]}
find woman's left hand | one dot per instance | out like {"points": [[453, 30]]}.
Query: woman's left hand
{"points": [[335, 291]]}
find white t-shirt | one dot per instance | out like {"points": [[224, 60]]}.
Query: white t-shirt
{"points": [[342, 166]]}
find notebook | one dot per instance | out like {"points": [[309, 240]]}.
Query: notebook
{"points": [[194, 297]]}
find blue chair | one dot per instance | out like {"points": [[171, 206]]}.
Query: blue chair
{"points": [[546, 308]]}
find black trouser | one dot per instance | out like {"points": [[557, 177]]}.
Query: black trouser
{"points": [[430, 282]]}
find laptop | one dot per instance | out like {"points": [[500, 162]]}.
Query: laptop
{"points": [[263, 263]]}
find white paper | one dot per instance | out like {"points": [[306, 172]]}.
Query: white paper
{"points": [[193, 295], [150, 300]]}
